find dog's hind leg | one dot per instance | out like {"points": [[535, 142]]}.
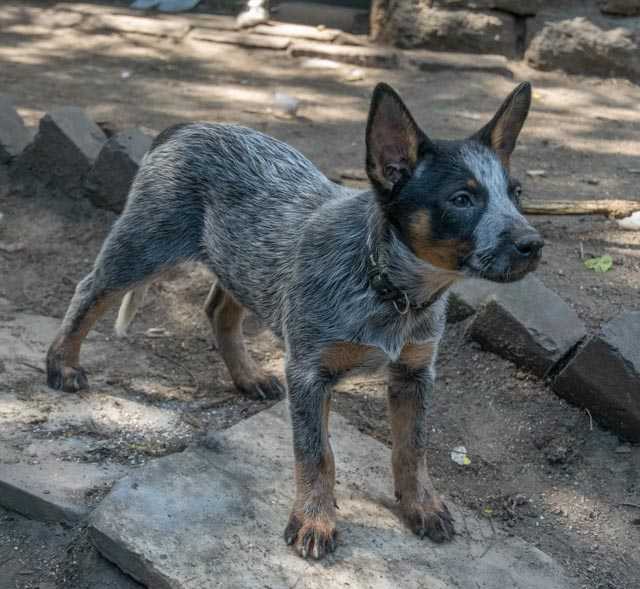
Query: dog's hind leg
{"points": [[225, 315], [139, 247]]}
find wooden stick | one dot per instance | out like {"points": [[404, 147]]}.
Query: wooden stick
{"points": [[616, 209]]}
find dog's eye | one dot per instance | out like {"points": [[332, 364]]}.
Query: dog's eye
{"points": [[461, 200], [517, 191]]}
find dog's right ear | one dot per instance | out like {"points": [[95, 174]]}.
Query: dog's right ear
{"points": [[394, 141]]}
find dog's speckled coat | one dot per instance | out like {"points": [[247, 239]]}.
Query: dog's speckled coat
{"points": [[298, 250]]}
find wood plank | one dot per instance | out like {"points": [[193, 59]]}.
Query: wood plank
{"points": [[241, 39]]}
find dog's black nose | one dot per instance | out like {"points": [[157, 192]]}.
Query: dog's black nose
{"points": [[529, 245]]}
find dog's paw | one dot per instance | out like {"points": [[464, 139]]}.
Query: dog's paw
{"points": [[66, 378], [267, 388], [430, 519], [313, 537]]}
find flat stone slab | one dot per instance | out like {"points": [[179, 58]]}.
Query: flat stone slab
{"points": [[51, 442], [528, 324], [604, 376], [208, 518], [53, 490]]}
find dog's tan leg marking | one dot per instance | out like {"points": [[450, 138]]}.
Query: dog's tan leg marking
{"points": [[226, 315], [409, 387], [312, 523], [343, 356], [63, 368]]}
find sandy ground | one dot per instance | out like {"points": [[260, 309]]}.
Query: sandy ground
{"points": [[539, 467]]}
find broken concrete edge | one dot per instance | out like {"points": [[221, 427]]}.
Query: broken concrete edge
{"points": [[603, 376], [127, 560], [36, 507], [533, 362]]}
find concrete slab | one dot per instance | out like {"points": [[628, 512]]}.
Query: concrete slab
{"points": [[214, 518], [54, 490], [528, 324], [52, 444]]}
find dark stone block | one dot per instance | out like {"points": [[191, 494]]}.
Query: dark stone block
{"points": [[61, 154], [604, 376], [109, 180]]}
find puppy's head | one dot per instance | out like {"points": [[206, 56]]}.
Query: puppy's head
{"points": [[453, 202]]}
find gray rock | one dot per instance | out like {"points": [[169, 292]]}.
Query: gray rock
{"points": [[14, 135], [61, 154], [406, 25], [599, 47], [604, 376], [620, 7], [206, 519], [528, 324], [109, 180]]}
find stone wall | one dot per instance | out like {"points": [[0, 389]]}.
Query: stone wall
{"points": [[590, 37]]}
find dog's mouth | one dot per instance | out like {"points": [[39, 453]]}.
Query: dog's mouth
{"points": [[495, 272]]}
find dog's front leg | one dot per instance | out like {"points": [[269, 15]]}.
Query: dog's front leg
{"points": [[410, 386], [312, 523]]}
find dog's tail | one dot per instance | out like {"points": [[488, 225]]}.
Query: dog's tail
{"points": [[130, 304]]}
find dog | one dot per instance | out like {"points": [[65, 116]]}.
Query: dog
{"points": [[348, 279]]}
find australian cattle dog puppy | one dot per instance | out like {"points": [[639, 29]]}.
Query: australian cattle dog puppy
{"points": [[346, 278]]}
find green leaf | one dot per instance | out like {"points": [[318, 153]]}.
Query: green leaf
{"points": [[601, 264]]}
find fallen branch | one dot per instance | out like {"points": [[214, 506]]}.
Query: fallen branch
{"points": [[616, 209]]}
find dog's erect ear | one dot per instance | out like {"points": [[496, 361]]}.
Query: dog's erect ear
{"points": [[394, 141], [501, 132]]}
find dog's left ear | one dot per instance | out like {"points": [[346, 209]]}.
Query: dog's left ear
{"points": [[394, 140], [501, 132]]}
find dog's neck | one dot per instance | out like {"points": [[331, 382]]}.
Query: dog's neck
{"points": [[396, 273]]}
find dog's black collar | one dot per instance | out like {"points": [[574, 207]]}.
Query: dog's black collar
{"points": [[379, 281]]}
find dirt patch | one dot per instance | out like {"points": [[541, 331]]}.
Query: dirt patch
{"points": [[539, 467]]}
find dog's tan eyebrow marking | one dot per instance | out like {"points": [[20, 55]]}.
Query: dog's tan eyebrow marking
{"points": [[472, 184]]}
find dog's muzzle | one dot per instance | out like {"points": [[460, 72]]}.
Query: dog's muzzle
{"points": [[517, 253]]}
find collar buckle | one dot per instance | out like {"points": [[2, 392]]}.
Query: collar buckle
{"points": [[405, 304]]}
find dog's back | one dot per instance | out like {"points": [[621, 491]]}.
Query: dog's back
{"points": [[240, 199]]}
